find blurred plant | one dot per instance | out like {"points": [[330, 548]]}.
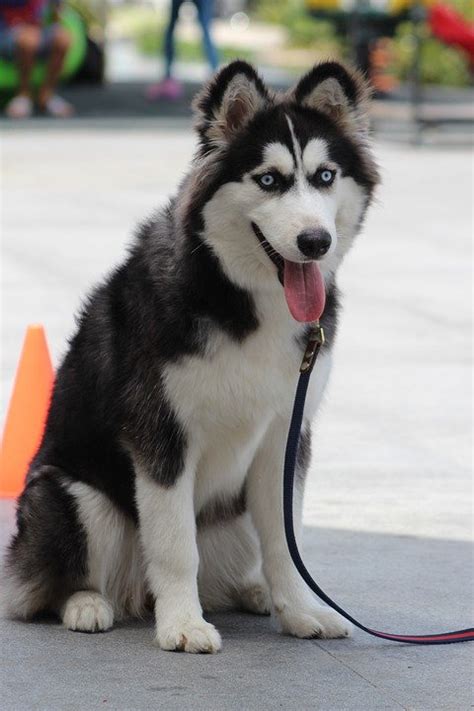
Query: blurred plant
{"points": [[93, 14], [149, 41], [440, 64], [275, 11], [127, 21], [303, 30], [91, 11], [146, 28], [465, 7]]}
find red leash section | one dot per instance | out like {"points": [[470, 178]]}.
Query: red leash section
{"points": [[315, 342], [445, 638]]}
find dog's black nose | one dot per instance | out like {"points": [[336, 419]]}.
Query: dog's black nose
{"points": [[314, 243]]}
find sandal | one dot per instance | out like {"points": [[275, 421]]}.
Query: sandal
{"points": [[20, 107], [57, 107], [167, 89]]}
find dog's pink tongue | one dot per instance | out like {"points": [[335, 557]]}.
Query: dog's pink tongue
{"points": [[304, 290]]}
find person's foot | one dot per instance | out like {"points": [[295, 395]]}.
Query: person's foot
{"points": [[56, 106], [20, 107], [166, 89]]}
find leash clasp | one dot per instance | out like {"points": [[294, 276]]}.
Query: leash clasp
{"points": [[315, 341]]}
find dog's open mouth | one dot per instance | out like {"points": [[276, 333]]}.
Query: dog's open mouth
{"points": [[303, 282]]}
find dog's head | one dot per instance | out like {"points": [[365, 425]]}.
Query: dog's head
{"points": [[281, 182]]}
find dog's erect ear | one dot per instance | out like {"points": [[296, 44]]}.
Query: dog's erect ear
{"points": [[228, 102], [337, 91]]}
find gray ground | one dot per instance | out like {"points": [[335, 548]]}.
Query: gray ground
{"points": [[388, 508]]}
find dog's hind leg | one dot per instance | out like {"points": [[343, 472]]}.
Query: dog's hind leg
{"points": [[254, 595], [115, 586], [46, 560], [87, 611], [230, 573]]}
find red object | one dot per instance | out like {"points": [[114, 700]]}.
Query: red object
{"points": [[450, 27], [29, 12]]}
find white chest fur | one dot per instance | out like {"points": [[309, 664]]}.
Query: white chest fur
{"points": [[226, 399]]}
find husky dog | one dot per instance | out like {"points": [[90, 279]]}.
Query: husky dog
{"points": [[159, 477]]}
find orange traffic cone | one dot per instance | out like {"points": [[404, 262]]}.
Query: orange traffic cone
{"points": [[27, 412]]}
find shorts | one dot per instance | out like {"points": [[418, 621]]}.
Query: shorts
{"points": [[8, 40]]}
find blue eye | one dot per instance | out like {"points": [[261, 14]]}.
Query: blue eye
{"points": [[267, 180], [327, 176]]}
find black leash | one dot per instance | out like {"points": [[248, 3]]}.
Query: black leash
{"points": [[315, 342]]}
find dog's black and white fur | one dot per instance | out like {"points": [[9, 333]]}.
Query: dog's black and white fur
{"points": [[159, 477]]}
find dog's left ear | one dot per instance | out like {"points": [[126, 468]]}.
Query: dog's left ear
{"points": [[337, 91], [228, 103]]}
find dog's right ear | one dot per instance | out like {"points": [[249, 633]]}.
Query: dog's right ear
{"points": [[228, 102]]}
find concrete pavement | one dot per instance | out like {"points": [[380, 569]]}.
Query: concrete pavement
{"points": [[388, 508]]}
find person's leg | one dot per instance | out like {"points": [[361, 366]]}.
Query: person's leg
{"points": [[58, 41], [169, 46], [168, 87], [26, 42], [204, 9]]}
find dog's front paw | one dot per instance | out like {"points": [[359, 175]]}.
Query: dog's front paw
{"points": [[314, 621], [194, 635]]}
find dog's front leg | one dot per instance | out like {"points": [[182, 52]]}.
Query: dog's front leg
{"points": [[168, 532], [298, 611]]}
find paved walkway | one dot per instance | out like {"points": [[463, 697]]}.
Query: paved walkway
{"points": [[388, 509]]}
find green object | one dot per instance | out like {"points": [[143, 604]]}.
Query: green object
{"points": [[72, 21]]}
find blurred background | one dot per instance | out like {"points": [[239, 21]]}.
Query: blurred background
{"points": [[419, 56]]}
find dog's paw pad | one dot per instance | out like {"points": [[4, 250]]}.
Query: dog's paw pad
{"points": [[194, 636], [320, 622], [87, 612]]}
